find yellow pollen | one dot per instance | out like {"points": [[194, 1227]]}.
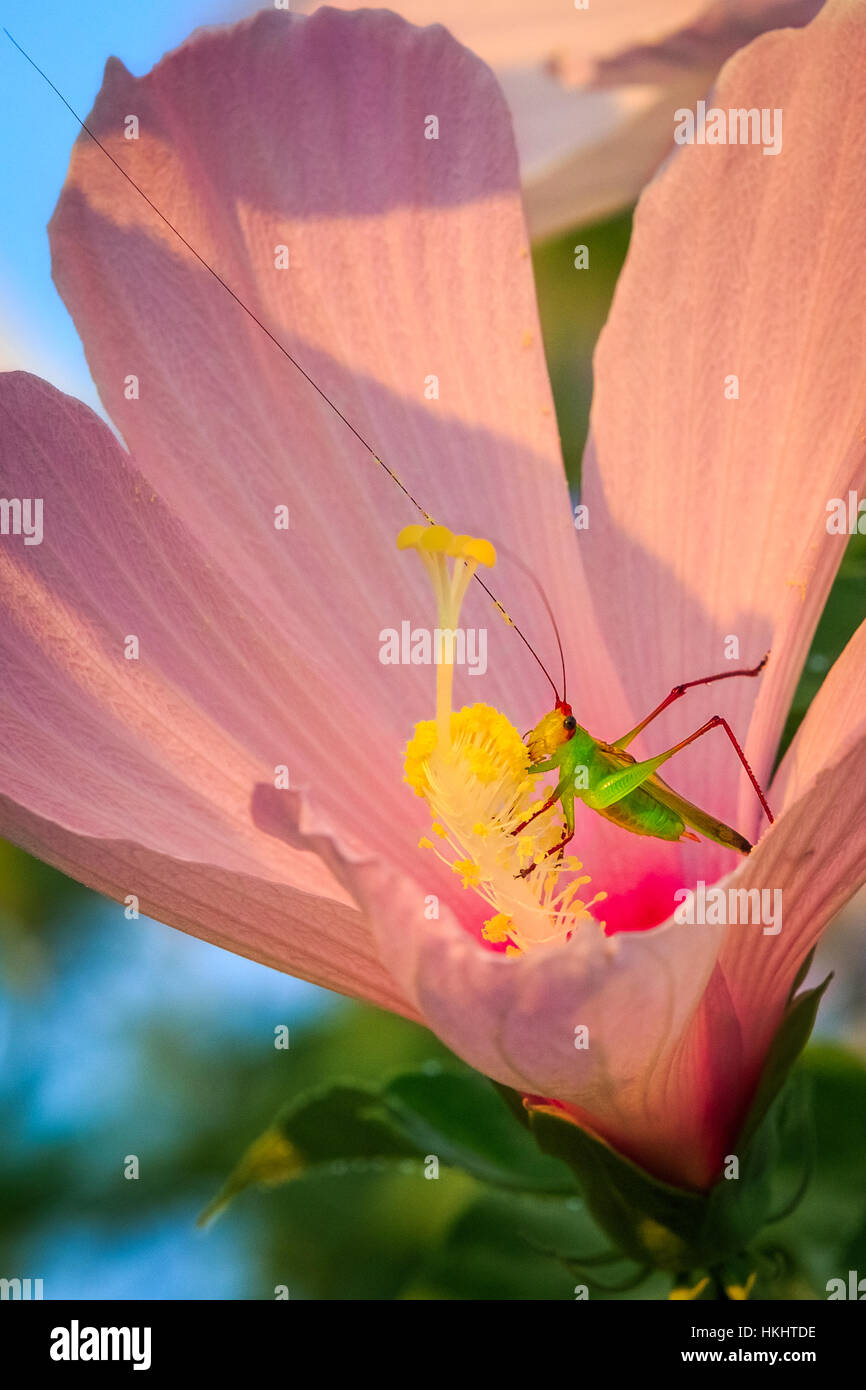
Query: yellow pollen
{"points": [[468, 870], [497, 928], [438, 540], [494, 829]]}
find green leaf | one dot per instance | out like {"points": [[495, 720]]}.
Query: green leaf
{"points": [[513, 1100], [460, 1118], [268, 1161], [457, 1117], [343, 1121], [331, 1123], [821, 1236], [649, 1220], [486, 1257]]}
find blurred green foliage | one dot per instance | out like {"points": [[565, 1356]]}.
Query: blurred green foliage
{"points": [[573, 306], [845, 610]]}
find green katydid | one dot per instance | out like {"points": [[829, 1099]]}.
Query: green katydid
{"points": [[628, 792], [606, 778]]}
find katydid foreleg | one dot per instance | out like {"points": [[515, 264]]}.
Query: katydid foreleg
{"points": [[551, 801], [564, 792]]}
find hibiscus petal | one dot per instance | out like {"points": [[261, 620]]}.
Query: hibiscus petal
{"points": [[583, 152], [817, 855], [806, 868], [517, 1020], [705, 35], [137, 775], [708, 513], [587, 152], [408, 261], [507, 33]]}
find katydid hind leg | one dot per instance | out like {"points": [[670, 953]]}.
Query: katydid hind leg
{"points": [[618, 784], [679, 690]]}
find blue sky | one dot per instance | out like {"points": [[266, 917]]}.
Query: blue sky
{"points": [[70, 42]]}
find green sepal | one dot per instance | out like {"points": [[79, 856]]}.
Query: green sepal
{"points": [[649, 1220], [805, 967]]}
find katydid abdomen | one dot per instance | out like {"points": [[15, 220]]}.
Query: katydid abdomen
{"points": [[642, 814]]}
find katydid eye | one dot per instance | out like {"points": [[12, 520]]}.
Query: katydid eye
{"points": [[569, 723]]}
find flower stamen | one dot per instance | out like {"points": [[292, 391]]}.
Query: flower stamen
{"points": [[471, 766]]}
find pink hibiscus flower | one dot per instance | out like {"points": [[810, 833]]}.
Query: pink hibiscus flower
{"points": [[171, 643]]}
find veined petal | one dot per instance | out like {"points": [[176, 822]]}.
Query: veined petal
{"points": [[593, 91], [698, 37], [140, 705], [806, 868], [519, 1019], [507, 33], [408, 272], [809, 865], [709, 510], [816, 856], [834, 723]]}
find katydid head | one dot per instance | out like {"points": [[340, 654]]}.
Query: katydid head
{"points": [[551, 732]]}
